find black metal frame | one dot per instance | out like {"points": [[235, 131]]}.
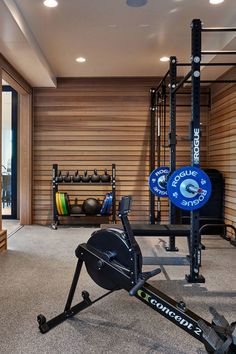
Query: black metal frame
{"points": [[152, 162], [14, 123], [172, 143], [195, 249], [208, 64], [224, 227], [196, 54], [216, 81], [195, 74], [55, 184], [157, 120]]}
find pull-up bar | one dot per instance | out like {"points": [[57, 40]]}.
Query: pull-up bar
{"points": [[221, 52], [188, 93], [208, 64], [219, 81], [215, 81], [219, 29]]}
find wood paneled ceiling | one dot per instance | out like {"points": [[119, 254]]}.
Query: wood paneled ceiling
{"points": [[117, 40]]}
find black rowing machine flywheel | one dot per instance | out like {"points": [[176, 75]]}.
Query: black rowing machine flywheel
{"points": [[113, 246]]}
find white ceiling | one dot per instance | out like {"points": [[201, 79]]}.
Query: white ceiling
{"points": [[117, 40]]}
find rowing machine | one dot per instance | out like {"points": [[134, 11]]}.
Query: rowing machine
{"points": [[113, 260]]}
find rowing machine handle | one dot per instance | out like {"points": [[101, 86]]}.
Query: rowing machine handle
{"points": [[143, 277], [137, 286]]}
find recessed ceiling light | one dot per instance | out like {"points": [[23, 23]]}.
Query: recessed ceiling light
{"points": [[50, 3], [81, 60], [136, 3], [173, 11], [164, 59], [215, 2]]}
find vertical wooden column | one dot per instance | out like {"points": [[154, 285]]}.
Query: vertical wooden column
{"points": [[15, 80], [3, 233], [25, 155], [1, 148]]}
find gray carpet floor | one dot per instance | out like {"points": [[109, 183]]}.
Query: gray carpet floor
{"points": [[35, 275], [11, 226]]}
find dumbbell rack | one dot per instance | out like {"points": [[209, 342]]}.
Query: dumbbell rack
{"points": [[55, 188]]}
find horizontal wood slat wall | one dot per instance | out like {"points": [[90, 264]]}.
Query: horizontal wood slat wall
{"points": [[3, 240], [91, 123], [222, 144]]}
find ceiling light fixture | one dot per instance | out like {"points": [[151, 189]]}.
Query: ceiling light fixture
{"points": [[173, 11], [50, 3], [215, 2], [136, 3], [164, 59], [81, 60]]}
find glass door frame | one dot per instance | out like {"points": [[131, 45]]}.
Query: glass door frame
{"points": [[14, 116]]}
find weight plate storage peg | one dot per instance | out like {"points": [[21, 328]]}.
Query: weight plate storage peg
{"points": [[158, 181], [189, 188]]}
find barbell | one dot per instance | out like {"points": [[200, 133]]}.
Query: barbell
{"points": [[188, 187]]}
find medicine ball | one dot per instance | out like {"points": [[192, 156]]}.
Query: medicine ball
{"points": [[91, 206]]}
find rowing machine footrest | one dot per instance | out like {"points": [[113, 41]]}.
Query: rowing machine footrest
{"points": [[210, 336], [218, 319]]}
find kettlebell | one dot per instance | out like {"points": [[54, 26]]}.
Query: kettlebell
{"points": [[86, 178], [106, 178], [76, 177], [67, 177], [76, 208], [59, 178], [95, 178]]}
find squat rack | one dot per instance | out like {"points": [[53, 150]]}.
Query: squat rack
{"points": [[195, 75], [196, 54]]}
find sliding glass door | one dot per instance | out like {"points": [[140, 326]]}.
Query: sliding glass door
{"points": [[9, 152]]}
